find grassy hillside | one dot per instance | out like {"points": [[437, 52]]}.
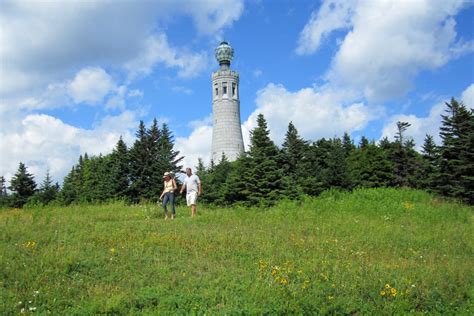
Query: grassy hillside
{"points": [[371, 251]]}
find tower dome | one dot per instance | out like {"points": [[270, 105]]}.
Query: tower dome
{"points": [[224, 53]]}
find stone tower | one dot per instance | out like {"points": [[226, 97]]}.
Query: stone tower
{"points": [[226, 133]]}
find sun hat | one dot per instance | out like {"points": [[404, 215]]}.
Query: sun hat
{"points": [[168, 174]]}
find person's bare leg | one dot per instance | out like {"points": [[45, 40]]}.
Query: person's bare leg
{"points": [[193, 210]]}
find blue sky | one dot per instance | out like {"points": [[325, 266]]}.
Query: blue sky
{"points": [[76, 75]]}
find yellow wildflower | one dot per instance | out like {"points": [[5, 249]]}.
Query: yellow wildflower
{"points": [[284, 281], [275, 270], [382, 293], [387, 286], [393, 292]]}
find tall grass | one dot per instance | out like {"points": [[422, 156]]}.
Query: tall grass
{"points": [[372, 251]]}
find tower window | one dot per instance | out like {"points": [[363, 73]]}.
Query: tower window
{"points": [[224, 88], [233, 89], [216, 89]]}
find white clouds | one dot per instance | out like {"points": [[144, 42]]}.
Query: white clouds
{"points": [[197, 145], [390, 42], [331, 16], [44, 43], [468, 96], [420, 126], [315, 114], [43, 142], [212, 15], [157, 50], [90, 85]]}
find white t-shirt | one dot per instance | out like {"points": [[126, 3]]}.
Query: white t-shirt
{"points": [[192, 183]]}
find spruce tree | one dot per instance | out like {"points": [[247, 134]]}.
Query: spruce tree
{"points": [[264, 155], [241, 184], [293, 152], [347, 144], [3, 192], [157, 162], [120, 169], [429, 170], [336, 174], [370, 167], [48, 191], [140, 165], [217, 179], [399, 155], [456, 177], [171, 159], [364, 142], [22, 185], [69, 191]]}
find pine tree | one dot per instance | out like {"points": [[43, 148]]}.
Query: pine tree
{"points": [[97, 175], [240, 185], [120, 169], [429, 170], [293, 152], [347, 144], [217, 180], [3, 192], [171, 159], [399, 155], [48, 190], [364, 142], [336, 174], [456, 178], [370, 167], [22, 185], [157, 162], [264, 155], [140, 165], [69, 193]]}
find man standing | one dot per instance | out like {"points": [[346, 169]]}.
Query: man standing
{"points": [[193, 189]]}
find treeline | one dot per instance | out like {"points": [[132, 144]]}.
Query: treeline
{"points": [[131, 174], [267, 173]]}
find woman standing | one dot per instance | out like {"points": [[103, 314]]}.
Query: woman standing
{"points": [[168, 193]]}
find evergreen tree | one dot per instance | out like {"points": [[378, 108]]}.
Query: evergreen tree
{"points": [[217, 179], [3, 192], [399, 155], [241, 183], [157, 162], [22, 185], [336, 174], [266, 171], [69, 191], [364, 142], [370, 167], [140, 165], [48, 191], [456, 177], [428, 173], [201, 170], [312, 183], [171, 159], [347, 144], [293, 152], [97, 186], [120, 169]]}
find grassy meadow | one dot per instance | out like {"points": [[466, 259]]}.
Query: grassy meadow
{"points": [[372, 251]]}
